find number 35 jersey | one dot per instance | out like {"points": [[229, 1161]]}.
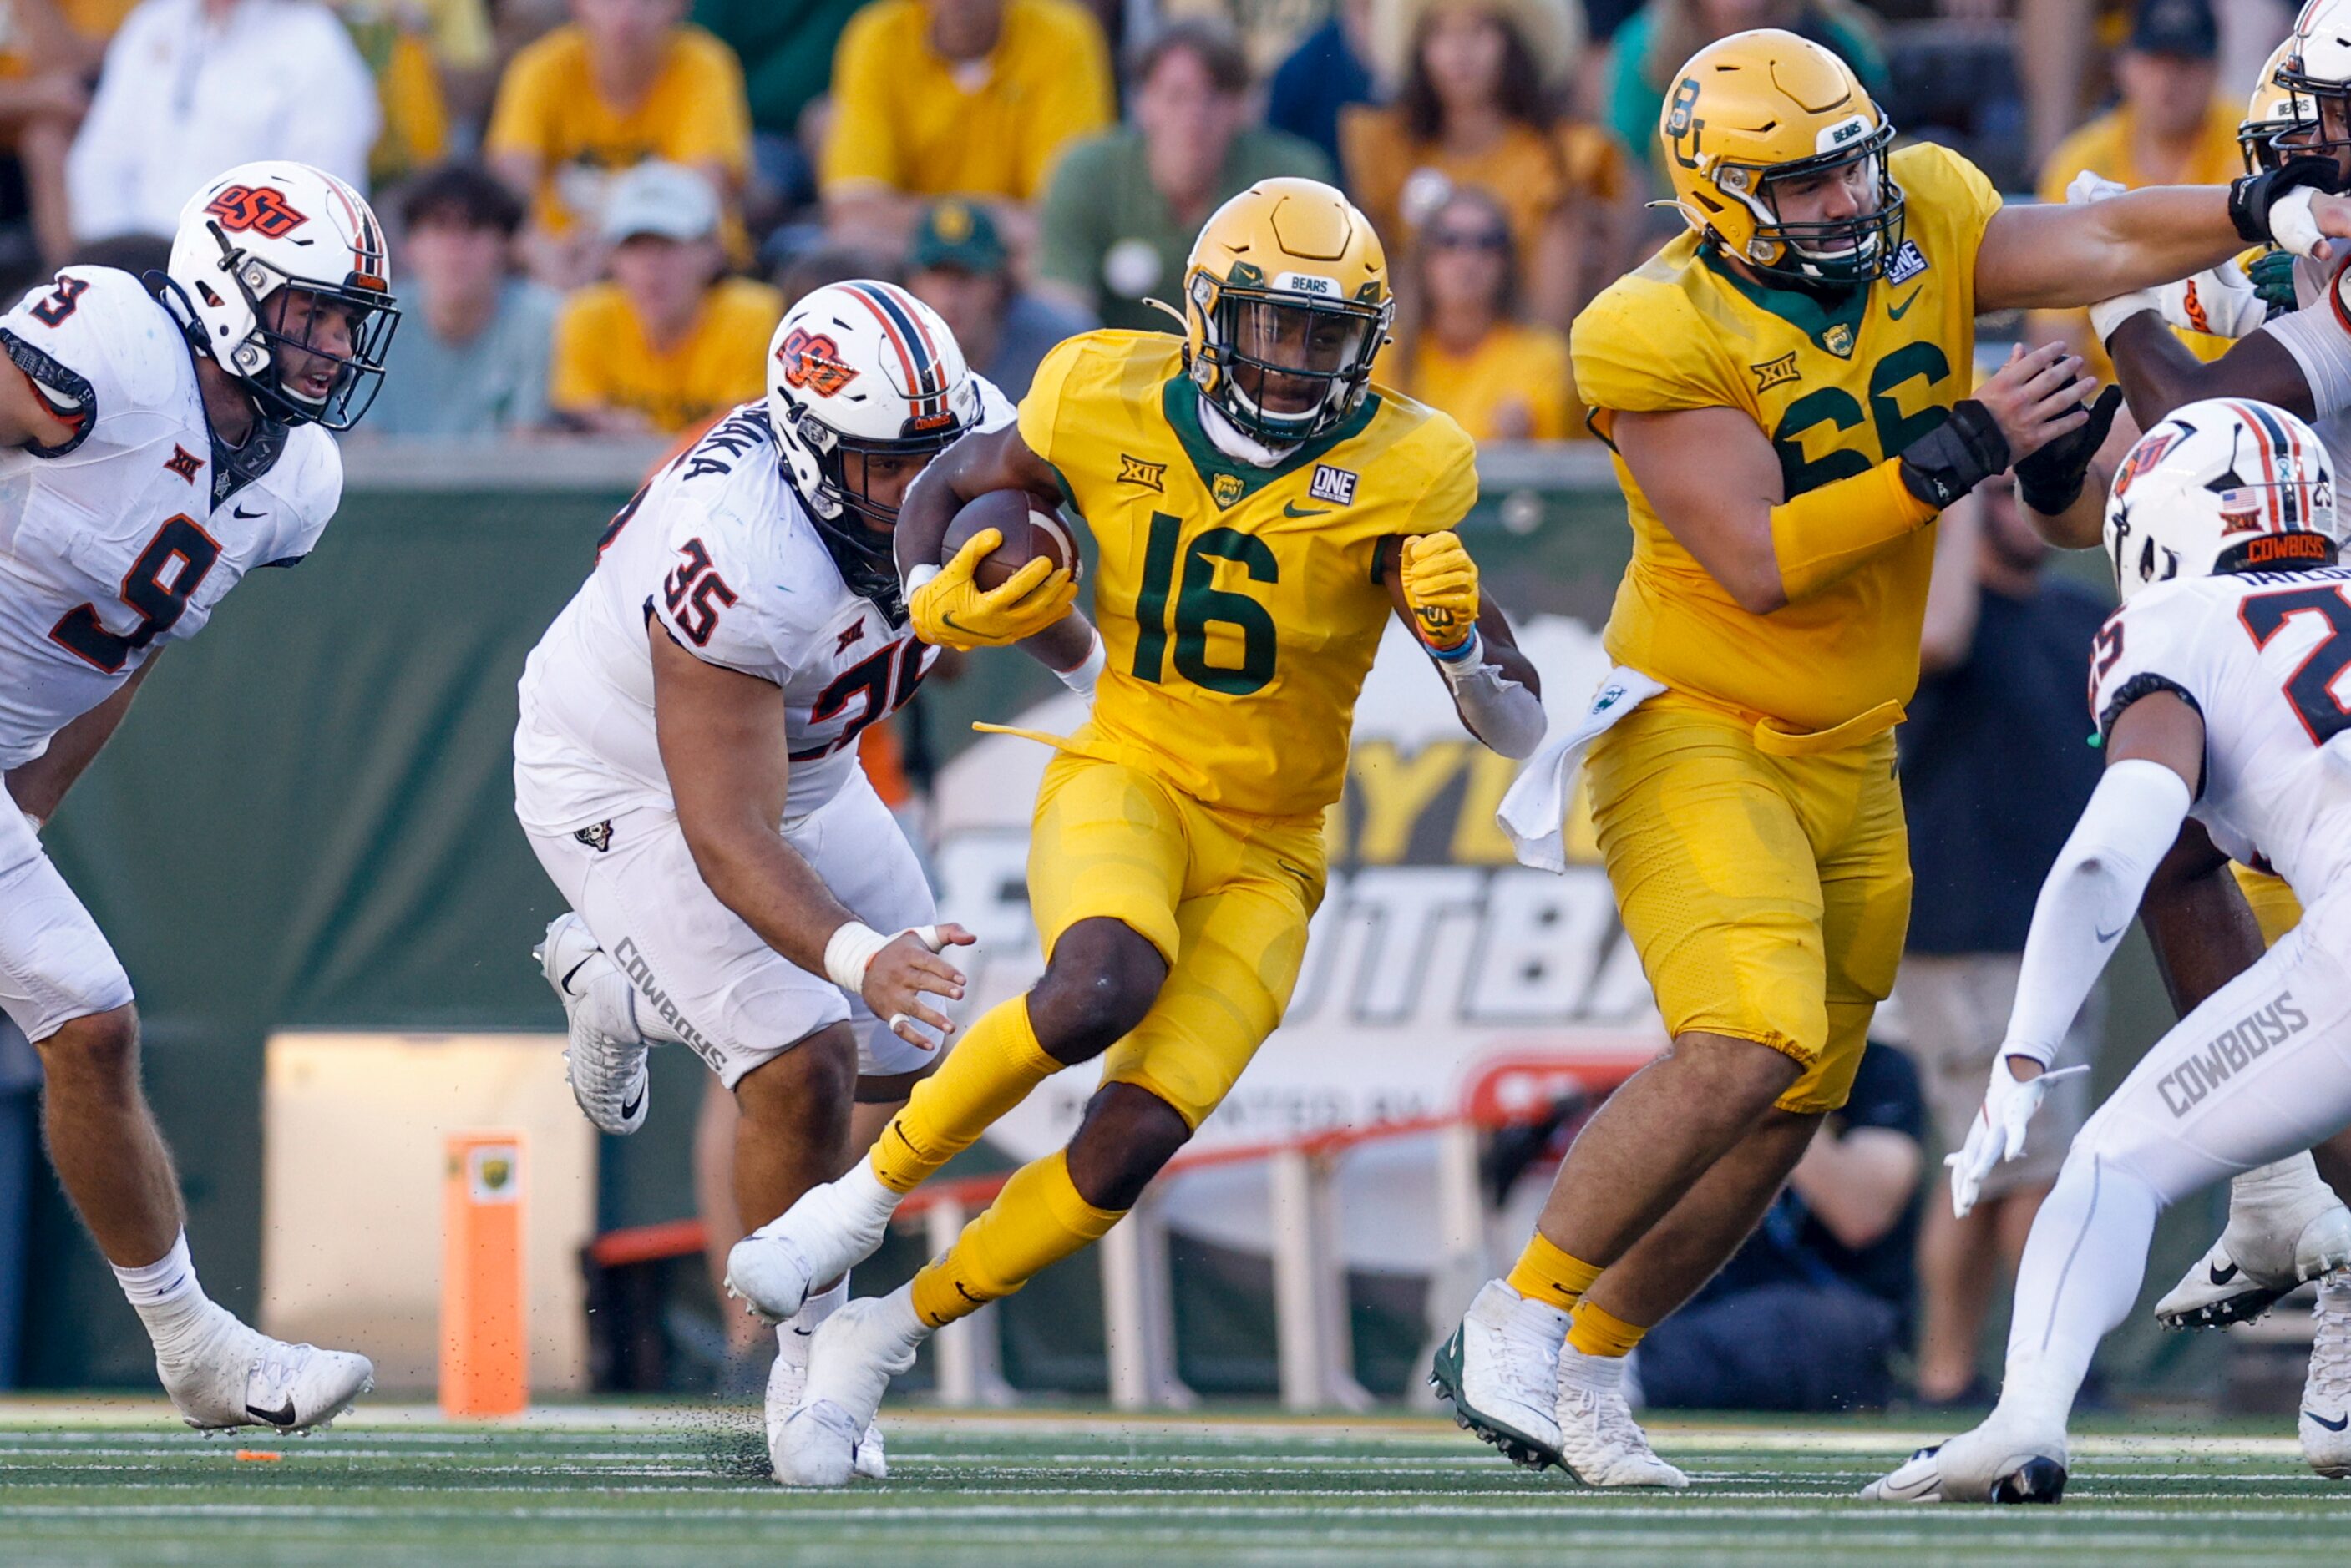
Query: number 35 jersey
{"points": [[719, 552], [1240, 606], [123, 537], [2265, 656], [1838, 384]]}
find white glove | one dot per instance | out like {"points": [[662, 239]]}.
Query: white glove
{"points": [[1998, 1132], [2088, 187], [2220, 300], [2291, 227]]}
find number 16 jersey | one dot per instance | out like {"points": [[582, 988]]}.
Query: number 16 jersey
{"points": [[124, 537], [1240, 606]]}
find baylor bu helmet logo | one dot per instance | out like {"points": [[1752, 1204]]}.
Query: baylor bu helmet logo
{"points": [[814, 362], [262, 209]]}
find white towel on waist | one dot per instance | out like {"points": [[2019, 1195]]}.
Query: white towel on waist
{"points": [[1534, 811]]}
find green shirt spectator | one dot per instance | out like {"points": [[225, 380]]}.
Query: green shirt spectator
{"points": [[787, 48], [1122, 208]]}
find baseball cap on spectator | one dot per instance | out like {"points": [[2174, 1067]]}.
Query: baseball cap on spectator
{"points": [[2184, 28], [957, 235], [667, 200], [465, 195]]}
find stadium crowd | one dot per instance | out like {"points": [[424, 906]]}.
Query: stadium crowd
{"points": [[602, 207], [609, 201]]}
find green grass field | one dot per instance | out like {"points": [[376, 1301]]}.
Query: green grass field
{"points": [[581, 1486]]}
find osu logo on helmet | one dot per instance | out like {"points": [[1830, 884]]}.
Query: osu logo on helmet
{"points": [[814, 361], [263, 209]]}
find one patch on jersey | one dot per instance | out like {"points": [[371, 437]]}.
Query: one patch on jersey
{"points": [[1336, 485], [1225, 489], [1838, 339], [184, 462], [1908, 263], [1150, 475], [1776, 372]]}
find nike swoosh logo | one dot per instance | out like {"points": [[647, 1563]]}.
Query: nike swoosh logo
{"points": [[2222, 1276], [241, 512], [1896, 312], [2110, 936], [2336, 1424], [630, 1109], [803, 1332], [285, 1417], [1291, 509]]}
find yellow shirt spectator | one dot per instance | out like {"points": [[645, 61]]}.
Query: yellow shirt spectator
{"points": [[1515, 384], [602, 361], [908, 119], [1398, 181], [547, 109]]}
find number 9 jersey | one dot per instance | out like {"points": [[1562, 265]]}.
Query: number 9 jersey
{"points": [[123, 537], [1240, 606]]}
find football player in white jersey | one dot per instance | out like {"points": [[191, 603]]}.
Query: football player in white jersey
{"points": [[2285, 1225], [160, 437], [2219, 691], [706, 689]]}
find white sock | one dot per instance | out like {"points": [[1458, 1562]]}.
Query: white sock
{"points": [[794, 1334], [1536, 1324], [1593, 1373], [166, 1295], [897, 1312], [863, 1191], [2078, 1278]]}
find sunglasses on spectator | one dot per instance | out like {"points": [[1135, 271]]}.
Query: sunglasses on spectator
{"points": [[1469, 240]]}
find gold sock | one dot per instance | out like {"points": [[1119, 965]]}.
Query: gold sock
{"points": [[992, 1070], [1595, 1331], [1546, 1273], [1038, 1218]]}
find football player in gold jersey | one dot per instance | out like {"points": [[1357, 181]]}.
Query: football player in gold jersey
{"points": [[1786, 390], [1259, 510]]}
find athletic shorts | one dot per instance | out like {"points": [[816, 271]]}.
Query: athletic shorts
{"points": [[1767, 895], [1224, 898], [1957, 1005], [703, 978], [56, 965]]}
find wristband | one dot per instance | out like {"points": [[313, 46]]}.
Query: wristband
{"points": [[2107, 315], [1463, 657], [1088, 670], [1955, 456], [919, 576], [848, 952], [2271, 208]]}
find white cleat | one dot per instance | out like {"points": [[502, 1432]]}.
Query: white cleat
{"points": [[605, 1062], [1500, 1372], [1600, 1444], [2003, 1460], [860, 1348], [2285, 1226], [2325, 1423], [831, 1230], [787, 1390], [239, 1376]]}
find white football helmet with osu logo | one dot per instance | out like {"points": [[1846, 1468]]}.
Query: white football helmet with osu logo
{"points": [[863, 374], [285, 231], [2227, 484]]}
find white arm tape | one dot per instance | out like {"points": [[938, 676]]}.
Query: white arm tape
{"points": [[2090, 896], [1089, 669], [2107, 315], [918, 576], [850, 951], [1502, 713], [2321, 347], [2292, 228]]}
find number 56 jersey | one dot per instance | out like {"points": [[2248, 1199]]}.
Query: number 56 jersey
{"points": [[125, 536], [2265, 656]]}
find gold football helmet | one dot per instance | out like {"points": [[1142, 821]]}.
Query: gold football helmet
{"points": [[1761, 109], [1285, 303], [2271, 114]]}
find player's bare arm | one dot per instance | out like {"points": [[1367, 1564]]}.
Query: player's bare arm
{"points": [[1022, 608], [39, 786], [2158, 374], [1433, 584], [724, 746], [2051, 256], [2196, 916], [1731, 512]]}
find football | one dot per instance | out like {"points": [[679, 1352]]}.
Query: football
{"points": [[1029, 531]]}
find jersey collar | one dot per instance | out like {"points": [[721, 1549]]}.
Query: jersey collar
{"points": [[1813, 312], [1179, 399]]}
